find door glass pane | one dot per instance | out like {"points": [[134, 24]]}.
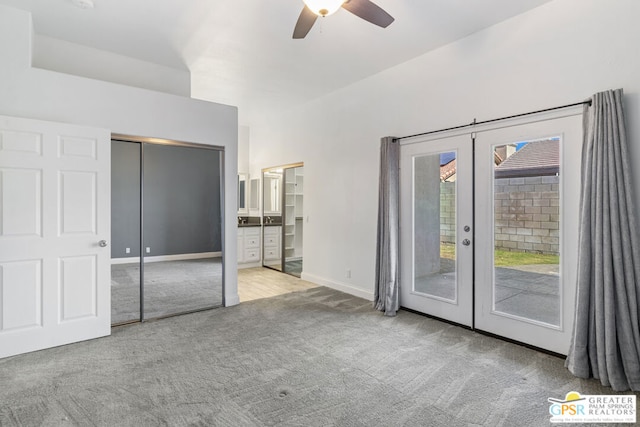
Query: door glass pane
{"points": [[182, 230], [125, 232], [527, 230], [434, 216]]}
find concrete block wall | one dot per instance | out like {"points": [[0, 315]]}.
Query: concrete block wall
{"points": [[527, 214], [448, 212]]}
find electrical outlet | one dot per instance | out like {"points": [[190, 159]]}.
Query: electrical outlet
{"points": [[127, 250], [348, 273], [148, 250]]}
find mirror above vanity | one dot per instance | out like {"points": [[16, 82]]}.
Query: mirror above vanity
{"points": [[242, 194], [271, 192], [254, 195]]}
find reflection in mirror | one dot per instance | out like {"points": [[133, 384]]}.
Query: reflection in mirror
{"points": [[283, 215], [125, 232], [272, 218], [271, 193], [254, 194], [293, 214], [242, 193], [181, 230], [178, 268]]}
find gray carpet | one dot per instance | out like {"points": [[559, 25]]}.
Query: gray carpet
{"points": [[170, 287], [312, 358]]}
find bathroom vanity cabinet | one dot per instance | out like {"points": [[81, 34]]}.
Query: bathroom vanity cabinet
{"points": [[249, 246]]}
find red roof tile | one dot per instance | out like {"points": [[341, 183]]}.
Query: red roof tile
{"points": [[448, 170], [536, 158]]}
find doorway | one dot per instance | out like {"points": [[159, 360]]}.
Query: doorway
{"points": [[166, 229], [283, 213], [489, 230]]}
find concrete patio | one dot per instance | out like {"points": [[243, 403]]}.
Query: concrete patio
{"points": [[529, 291]]}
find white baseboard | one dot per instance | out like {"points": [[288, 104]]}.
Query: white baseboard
{"points": [[159, 258], [343, 287]]}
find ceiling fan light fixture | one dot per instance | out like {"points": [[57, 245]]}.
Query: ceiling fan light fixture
{"points": [[324, 7]]}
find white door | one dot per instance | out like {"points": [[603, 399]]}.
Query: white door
{"points": [[54, 211], [436, 255], [526, 217]]}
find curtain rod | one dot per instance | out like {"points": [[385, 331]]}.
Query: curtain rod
{"points": [[474, 123]]}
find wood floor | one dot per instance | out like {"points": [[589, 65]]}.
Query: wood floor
{"points": [[259, 282]]}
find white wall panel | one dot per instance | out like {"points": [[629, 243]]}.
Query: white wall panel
{"points": [[20, 294], [78, 287], [77, 202], [71, 58], [21, 202]]}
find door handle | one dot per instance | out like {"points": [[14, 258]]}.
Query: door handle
{"points": [[102, 243], [466, 242]]}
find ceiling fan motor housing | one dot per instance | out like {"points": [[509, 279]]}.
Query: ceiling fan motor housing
{"points": [[323, 7], [364, 9]]}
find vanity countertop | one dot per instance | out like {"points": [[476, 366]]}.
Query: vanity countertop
{"points": [[249, 224]]}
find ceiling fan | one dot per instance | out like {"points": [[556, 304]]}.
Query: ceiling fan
{"points": [[364, 9]]}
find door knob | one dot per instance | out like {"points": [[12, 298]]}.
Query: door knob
{"points": [[102, 243], [466, 242]]}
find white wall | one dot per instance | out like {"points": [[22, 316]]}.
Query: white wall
{"points": [[243, 149], [559, 53], [45, 95], [71, 58]]}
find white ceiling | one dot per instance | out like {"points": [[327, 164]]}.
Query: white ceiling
{"points": [[240, 52]]}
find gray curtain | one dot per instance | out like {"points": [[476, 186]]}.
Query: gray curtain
{"points": [[606, 335], [386, 289]]}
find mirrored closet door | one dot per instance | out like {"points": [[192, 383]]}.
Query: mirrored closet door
{"points": [[170, 217], [293, 205], [125, 231], [181, 230], [283, 209]]}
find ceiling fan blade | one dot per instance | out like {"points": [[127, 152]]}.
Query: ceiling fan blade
{"points": [[305, 22], [369, 11]]}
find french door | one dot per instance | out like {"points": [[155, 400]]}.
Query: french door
{"points": [[489, 229], [436, 220]]}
